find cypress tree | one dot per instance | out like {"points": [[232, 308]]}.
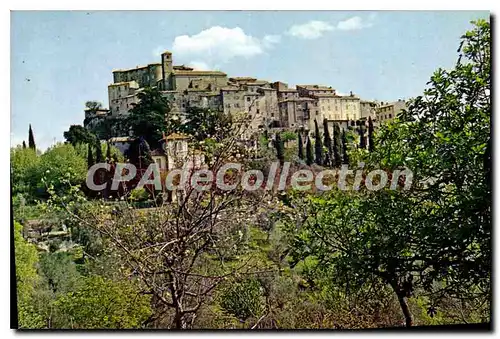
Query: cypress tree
{"points": [[336, 145], [301, 146], [345, 158], [328, 143], [139, 153], [362, 140], [309, 152], [371, 146], [24, 144], [90, 158], [280, 148], [318, 145], [98, 152], [31, 139], [108, 152]]}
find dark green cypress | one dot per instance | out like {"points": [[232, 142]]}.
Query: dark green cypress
{"points": [[371, 145], [24, 144], [318, 145], [345, 158], [31, 139], [328, 143], [280, 148], [362, 140], [108, 152], [336, 145], [90, 158], [309, 152], [98, 152], [301, 146]]}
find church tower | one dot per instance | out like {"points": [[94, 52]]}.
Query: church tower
{"points": [[167, 68]]}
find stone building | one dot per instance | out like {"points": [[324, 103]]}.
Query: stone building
{"points": [[388, 111], [184, 85], [122, 96], [252, 100], [368, 109], [261, 104]]}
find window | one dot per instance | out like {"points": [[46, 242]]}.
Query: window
{"points": [[258, 111], [236, 105], [390, 116], [248, 99], [158, 162]]}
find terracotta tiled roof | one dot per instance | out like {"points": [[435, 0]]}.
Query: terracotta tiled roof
{"points": [[177, 136]]}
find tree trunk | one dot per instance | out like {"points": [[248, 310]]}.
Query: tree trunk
{"points": [[180, 321], [404, 305], [406, 311]]}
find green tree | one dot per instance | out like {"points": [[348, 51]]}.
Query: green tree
{"points": [[98, 152], [31, 139], [100, 303], [204, 123], [301, 146], [309, 152], [139, 153], [371, 144], [60, 167], [24, 164], [78, 134], [362, 140], [26, 259], [328, 143], [280, 148], [345, 157], [24, 144], [108, 152], [243, 299], [336, 145], [90, 157], [59, 272], [148, 118], [318, 145], [433, 239]]}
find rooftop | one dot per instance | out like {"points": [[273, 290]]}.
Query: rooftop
{"points": [[183, 72], [136, 67], [177, 136], [316, 87], [237, 79], [183, 68], [133, 82]]}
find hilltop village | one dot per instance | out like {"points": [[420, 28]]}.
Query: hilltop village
{"points": [[267, 105]]}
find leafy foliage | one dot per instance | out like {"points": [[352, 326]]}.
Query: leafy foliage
{"points": [[318, 145], [78, 134], [147, 119], [100, 303], [242, 299]]}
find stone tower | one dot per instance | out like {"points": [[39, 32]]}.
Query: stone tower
{"points": [[167, 68]]}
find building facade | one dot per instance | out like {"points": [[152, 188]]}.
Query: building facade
{"points": [[388, 111]]}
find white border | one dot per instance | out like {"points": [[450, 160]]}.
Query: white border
{"points": [[191, 5]]}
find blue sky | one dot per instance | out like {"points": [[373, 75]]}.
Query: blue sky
{"points": [[59, 60]]}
